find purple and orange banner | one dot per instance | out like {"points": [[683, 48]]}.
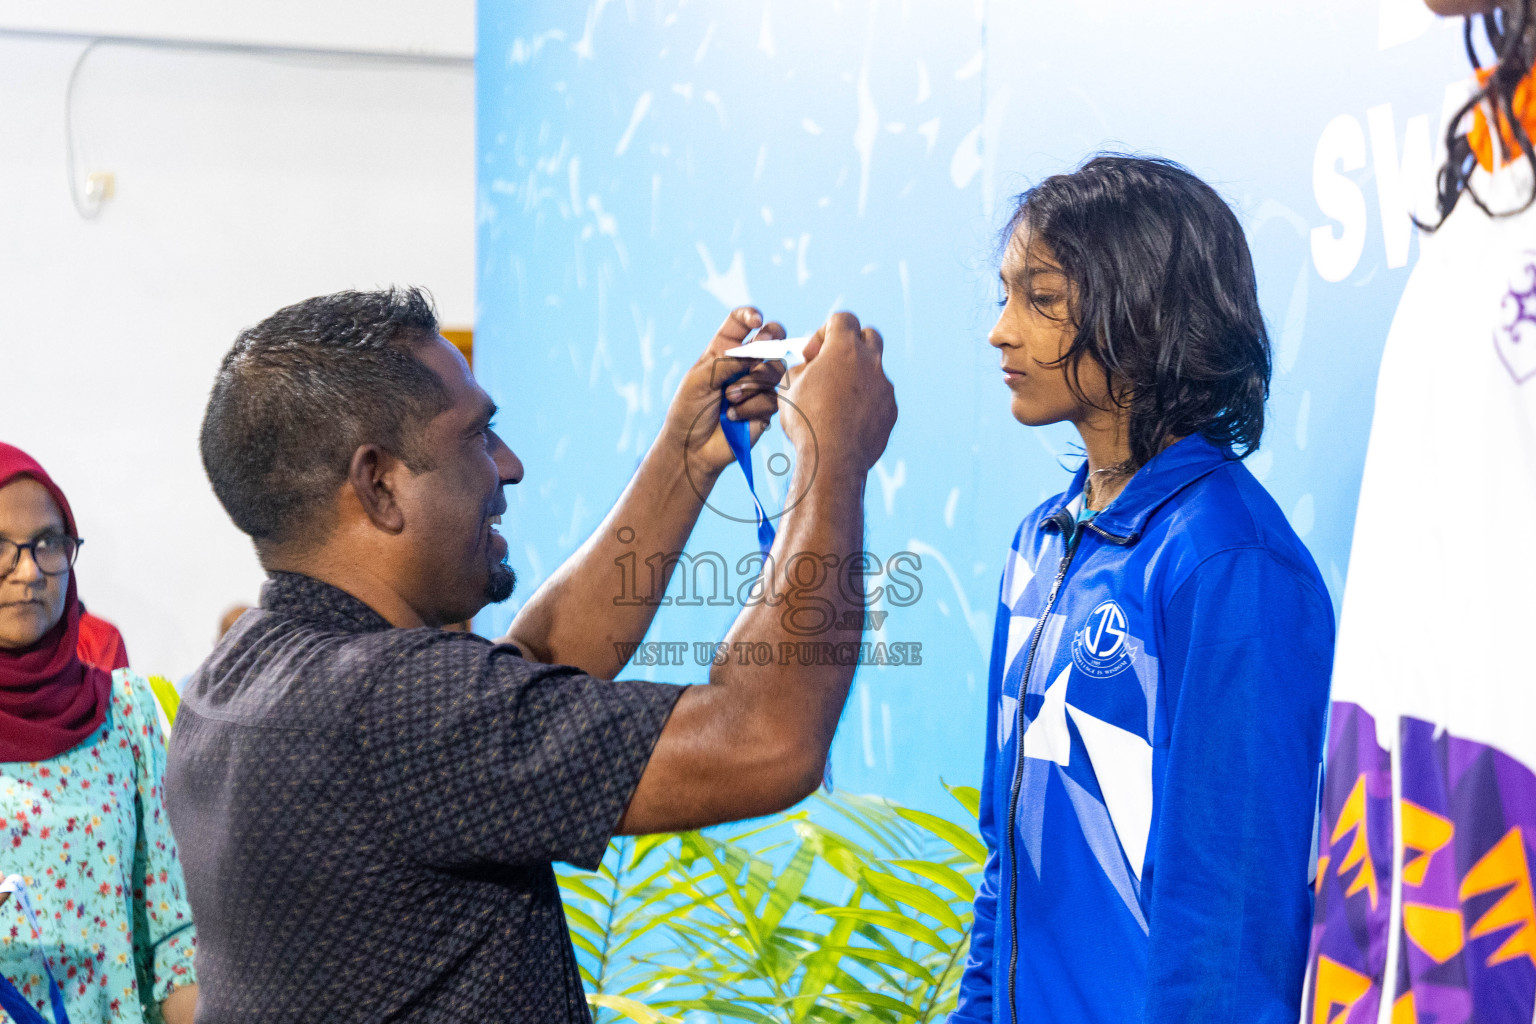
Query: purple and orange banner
{"points": [[1467, 942], [1354, 873]]}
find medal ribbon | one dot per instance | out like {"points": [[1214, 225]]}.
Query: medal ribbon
{"points": [[738, 434], [18, 1006]]}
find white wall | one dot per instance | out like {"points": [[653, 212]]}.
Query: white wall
{"points": [[415, 26], [243, 183]]}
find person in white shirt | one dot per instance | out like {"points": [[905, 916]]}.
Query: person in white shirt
{"points": [[1425, 909]]}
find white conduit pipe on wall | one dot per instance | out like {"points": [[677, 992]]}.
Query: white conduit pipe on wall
{"points": [[89, 205]]}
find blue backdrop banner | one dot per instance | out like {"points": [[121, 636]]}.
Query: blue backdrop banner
{"points": [[646, 165]]}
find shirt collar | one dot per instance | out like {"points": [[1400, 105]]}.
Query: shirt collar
{"points": [[304, 597], [1170, 471]]}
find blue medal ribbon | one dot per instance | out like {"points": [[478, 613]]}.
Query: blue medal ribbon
{"points": [[738, 434], [18, 1006]]}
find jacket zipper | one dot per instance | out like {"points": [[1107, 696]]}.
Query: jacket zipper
{"points": [[1070, 533]]}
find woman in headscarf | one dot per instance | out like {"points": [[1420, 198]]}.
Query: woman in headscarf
{"points": [[82, 761]]}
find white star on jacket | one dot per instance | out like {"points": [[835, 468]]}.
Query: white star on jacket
{"points": [[1120, 761]]}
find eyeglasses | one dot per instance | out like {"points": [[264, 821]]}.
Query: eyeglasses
{"points": [[52, 553]]}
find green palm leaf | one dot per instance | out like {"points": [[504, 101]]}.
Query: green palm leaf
{"points": [[852, 912]]}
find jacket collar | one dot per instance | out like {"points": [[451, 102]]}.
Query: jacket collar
{"points": [[1170, 471]]}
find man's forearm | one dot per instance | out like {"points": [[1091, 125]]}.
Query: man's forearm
{"points": [[825, 527], [759, 733], [580, 616]]}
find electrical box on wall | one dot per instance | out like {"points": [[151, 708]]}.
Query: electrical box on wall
{"points": [[100, 186]]}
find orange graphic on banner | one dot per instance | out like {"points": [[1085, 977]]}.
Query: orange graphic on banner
{"points": [[1353, 816], [1426, 832], [1480, 138], [1405, 1010], [1337, 986], [1435, 930], [1505, 865]]}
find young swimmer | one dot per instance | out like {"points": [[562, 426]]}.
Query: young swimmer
{"points": [[1160, 664]]}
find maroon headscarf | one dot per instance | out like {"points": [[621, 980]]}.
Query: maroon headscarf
{"points": [[50, 700]]}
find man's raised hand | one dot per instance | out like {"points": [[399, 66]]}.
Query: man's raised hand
{"points": [[693, 418], [845, 400], [754, 741]]}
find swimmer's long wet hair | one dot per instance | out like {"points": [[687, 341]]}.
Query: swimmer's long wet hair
{"points": [[1165, 301], [1511, 30]]}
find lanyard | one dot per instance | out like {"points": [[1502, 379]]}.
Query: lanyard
{"points": [[738, 434], [14, 1003]]}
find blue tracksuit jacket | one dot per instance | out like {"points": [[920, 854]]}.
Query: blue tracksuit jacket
{"points": [[1158, 700]]}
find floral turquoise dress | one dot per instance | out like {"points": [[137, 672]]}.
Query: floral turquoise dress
{"points": [[87, 832]]}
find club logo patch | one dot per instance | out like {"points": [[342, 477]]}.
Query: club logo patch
{"points": [[1100, 648], [1515, 337]]}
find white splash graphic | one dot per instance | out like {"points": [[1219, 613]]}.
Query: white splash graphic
{"points": [[642, 107], [730, 287], [890, 483]]}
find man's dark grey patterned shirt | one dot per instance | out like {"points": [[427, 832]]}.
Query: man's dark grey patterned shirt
{"points": [[367, 816]]}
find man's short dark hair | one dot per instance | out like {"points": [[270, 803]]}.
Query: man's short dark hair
{"points": [[1166, 301], [301, 391]]}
